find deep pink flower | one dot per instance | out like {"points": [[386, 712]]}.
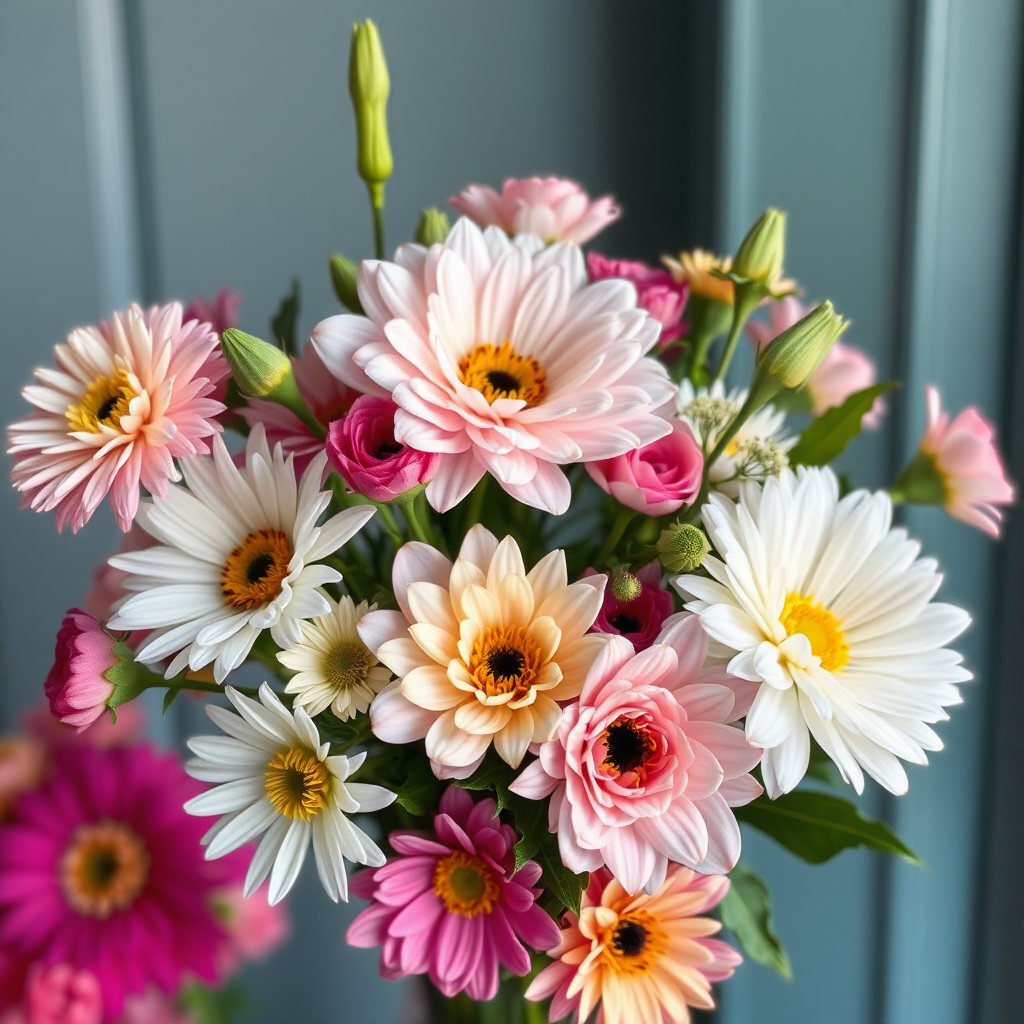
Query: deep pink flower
{"points": [[127, 398], [843, 371], [657, 291], [967, 459], [220, 314], [657, 479], [644, 768], [102, 869], [451, 905], [77, 688], [640, 620], [554, 209], [62, 995], [326, 397], [362, 448], [154, 1007]]}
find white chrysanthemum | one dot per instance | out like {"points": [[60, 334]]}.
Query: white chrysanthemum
{"points": [[277, 780], [332, 665], [757, 451], [238, 554], [830, 609]]}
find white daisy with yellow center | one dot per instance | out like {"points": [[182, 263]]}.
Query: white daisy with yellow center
{"points": [[276, 779], [333, 667], [239, 553], [830, 609]]}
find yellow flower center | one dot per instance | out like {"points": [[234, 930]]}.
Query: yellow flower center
{"points": [[498, 372], [505, 660], [801, 614], [346, 664], [104, 403], [254, 571], [297, 783], [103, 869], [627, 748], [635, 944], [466, 884]]}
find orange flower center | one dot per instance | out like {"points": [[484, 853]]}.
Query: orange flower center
{"points": [[103, 869], [505, 660], [635, 944], [627, 749], [499, 372], [466, 884], [254, 571], [823, 630], [297, 783], [104, 403]]}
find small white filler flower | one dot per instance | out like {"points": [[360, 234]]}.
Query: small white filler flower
{"points": [[276, 780]]}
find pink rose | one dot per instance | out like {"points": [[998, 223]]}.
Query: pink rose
{"points": [[76, 687], [363, 449], [641, 619], [656, 479], [552, 208], [657, 291]]}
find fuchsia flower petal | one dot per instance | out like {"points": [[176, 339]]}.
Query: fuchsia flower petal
{"points": [[76, 687]]}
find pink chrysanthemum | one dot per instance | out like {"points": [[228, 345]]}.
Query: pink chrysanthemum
{"points": [[967, 461], [502, 358], [554, 209], [638, 958], [327, 398], [101, 868], [126, 399], [451, 905], [641, 619]]}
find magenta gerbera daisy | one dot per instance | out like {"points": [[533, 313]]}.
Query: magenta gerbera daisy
{"points": [[451, 905], [101, 868]]}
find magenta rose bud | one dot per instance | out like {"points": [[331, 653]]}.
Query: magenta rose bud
{"points": [[363, 449], [77, 687], [656, 479]]}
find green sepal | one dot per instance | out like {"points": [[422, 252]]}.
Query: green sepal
{"points": [[433, 227], [747, 912], [921, 483], [129, 677], [827, 437]]}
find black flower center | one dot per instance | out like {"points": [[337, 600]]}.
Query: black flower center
{"points": [[629, 938], [387, 449], [625, 623], [258, 568], [502, 381], [505, 662], [628, 747]]}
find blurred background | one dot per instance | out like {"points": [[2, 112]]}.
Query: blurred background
{"points": [[156, 149]]}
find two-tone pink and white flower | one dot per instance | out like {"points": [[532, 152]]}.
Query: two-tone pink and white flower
{"points": [[645, 767], [127, 398], [503, 358], [554, 209]]}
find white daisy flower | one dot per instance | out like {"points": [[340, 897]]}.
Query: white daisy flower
{"points": [[830, 609], [238, 554], [277, 780], [334, 667], [756, 452]]}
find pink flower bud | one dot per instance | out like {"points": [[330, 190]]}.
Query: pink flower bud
{"points": [[62, 995], [76, 687], [657, 479], [657, 291], [363, 449]]}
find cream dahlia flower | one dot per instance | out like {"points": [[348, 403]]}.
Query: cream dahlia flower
{"points": [[239, 552], [502, 358], [483, 650], [830, 610], [127, 398]]}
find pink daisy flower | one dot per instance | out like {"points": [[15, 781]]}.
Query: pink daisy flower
{"points": [[101, 868], [967, 460], [327, 398], [644, 768], [451, 905], [502, 358], [126, 399], [554, 209]]}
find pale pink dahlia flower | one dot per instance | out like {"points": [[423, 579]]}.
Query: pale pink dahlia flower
{"points": [[843, 371], [967, 460], [452, 905], [644, 769], [502, 358], [126, 399], [483, 650], [554, 209]]}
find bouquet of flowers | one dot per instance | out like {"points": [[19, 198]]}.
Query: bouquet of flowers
{"points": [[546, 610]]}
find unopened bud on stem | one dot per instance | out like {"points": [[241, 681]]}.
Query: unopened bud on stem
{"points": [[759, 257], [344, 277], [433, 227], [369, 86], [682, 547]]}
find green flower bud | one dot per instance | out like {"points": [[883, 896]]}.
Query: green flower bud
{"points": [[789, 359], [760, 255], [682, 547], [369, 86], [625, 587], [344, 275], [433, 227]]}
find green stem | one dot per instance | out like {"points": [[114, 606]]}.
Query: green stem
{"points": [[378, 230], [622, 520], [475, 505], [390, 525], [413, 518], [747, 298]]}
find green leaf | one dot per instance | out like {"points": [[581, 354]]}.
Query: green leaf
{"points": [[562, 883], [213, 1006], [826, 438], [530, 818], [284, 323], [421, 791], [817, 826], [494, 775], [169, 697], [747, 912]]}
